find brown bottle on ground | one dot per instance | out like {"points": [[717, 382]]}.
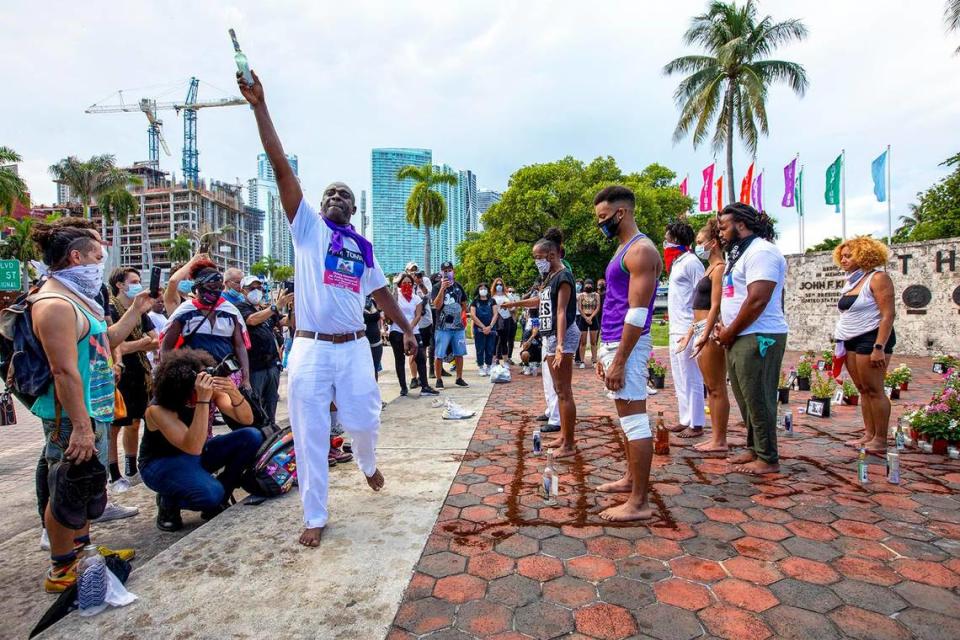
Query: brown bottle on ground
{"points": [[661, 444]]}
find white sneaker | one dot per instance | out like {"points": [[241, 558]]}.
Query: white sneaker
{"points": [[583, 365], [121, 485], [525, 371], [455, 412], [484, 371], [651, 391], [114, 511], [135, 479], [44, 539]]}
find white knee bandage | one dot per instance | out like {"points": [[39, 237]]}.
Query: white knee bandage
{"points": [[636, 427], [637, 316]]}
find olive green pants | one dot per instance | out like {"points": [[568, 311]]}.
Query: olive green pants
{"points": [[754, 379]]}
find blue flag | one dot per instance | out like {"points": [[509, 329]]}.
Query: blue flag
{"points": [[879, 171]]}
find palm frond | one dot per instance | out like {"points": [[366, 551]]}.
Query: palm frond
{"points": [[951, 15], [689, 64], [9, 156], [781, 71]]}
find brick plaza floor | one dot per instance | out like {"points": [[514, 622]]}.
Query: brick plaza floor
{"points": [[807, 553]]}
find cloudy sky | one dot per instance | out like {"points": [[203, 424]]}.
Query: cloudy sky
{"points": [[488, 86]]}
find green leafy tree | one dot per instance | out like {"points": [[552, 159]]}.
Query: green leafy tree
{"points": [[18, 245], [937, 212], [728, 87], [282, 272], [827, 244], [265, 267], [12, 187], [90, 179], [426, 208], [179, 249]]}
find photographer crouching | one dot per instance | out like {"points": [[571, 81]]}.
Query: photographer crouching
{"points": [[178, 456]]}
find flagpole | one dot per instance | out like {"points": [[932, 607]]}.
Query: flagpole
{"points": [[803, 241], [889, 205], [843, 193], [797, 205]]}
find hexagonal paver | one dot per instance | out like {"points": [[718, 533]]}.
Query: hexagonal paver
{"points": [[609, 547], [927, 597], [724, 514], [514, 591], [759, 549], [483, 618], [765, 530], [543, 620], [592, 568], [490, 565], [605, 621], [658, 548], [859, 530], [641, 568], [460, 588], [626, 593], [931, 573], [861, 624], [479, 513], [869, 596], [752, 570], [517, 546], [698, 569], [718, 531], [440, 565], [812, 530], [563, 547], [683, 593], [540, 568], [809, 570], [668, 623], [424, 615], [929, 625], [570, 592], [708, 549], [745, 595], [791, 623], [805, 595], [733, 623], [871, 571], [421, 586]]}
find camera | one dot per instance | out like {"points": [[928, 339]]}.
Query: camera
{"points": [[420, 274], [224, 368]]}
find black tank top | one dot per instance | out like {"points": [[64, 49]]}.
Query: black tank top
{"points": [[155, 445], [702, 294]]}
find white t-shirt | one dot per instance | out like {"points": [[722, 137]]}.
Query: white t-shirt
{"points": [[332, 288], [500, 299], [427, 318], [409, 310], [761, 261], [685, 273]]}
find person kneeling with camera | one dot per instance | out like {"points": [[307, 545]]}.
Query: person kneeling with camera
{"points": [[178, 456]]}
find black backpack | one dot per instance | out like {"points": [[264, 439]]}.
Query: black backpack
{"points": [[23, 364], [274, 469]]}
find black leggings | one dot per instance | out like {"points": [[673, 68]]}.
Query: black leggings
{"points": [[506, 337], [426, 343], [43, 489], [400, 360]]}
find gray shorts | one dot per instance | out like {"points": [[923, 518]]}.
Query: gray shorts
{"points": [[571, 341]]}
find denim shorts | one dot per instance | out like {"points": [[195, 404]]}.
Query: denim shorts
{"points": [[449, 342], [571, 341], [58, 439], [635, 370]]}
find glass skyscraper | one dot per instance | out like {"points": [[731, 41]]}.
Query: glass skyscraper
{"points": [[264, 194], [396, 241], [485, 199]]}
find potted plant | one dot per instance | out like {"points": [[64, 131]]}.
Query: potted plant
{"points": [[783, 391], [892, 381], [827, 356], [657, 372], [804, 370], [943, 363], [904, 375], [851, 395], [821, 390], [936, 425]]}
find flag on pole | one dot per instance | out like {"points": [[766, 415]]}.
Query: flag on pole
{"points": [[798, 193], [706, 192], [789, 183], [879, 171], [720, 193], [745, 185], [757, 192], [832, 193], [683, 187]]}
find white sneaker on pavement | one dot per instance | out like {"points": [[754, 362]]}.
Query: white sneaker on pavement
{"points": [[455, 412], [44, 539], [135, 479], [121, 485], [651, 391], [114, 511]]}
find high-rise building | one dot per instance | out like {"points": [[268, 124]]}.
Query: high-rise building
{"points": [[65, 194], [444, 239], [468, 195], [264, 194], [485, 199], [397, 241]]}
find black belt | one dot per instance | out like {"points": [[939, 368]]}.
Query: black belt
{"points": [[335, 338]]}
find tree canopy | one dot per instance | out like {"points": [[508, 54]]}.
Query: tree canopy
{"points": [[560, 194], [827, 244], [937, 211]]}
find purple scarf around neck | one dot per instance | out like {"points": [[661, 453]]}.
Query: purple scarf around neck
{"points": [[336, 242]]}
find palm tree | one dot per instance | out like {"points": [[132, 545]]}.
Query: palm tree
{"points": [[179, 249], [728, 87], [207, 236], [18, 245], [265, 267], [951, 14], [12, 187], [91, 179], [282, 272], [116, 207], [425, 207], [910, 221]]}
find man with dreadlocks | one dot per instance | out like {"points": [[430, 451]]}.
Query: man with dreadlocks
{"points": [[753, 329]]}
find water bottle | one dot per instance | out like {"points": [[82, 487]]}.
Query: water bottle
{"points": [[788, 423], [537, 442], [91, 578], [241, 60], [551, 481], [862, 466]]}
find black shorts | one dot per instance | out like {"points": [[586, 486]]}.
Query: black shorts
{"points": [[863, 344], [593, 325], [536, 354]]}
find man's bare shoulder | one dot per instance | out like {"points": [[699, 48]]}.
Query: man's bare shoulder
{"points": [[642, 254]]}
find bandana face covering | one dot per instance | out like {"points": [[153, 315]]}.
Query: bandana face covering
{"points": [[407, 290], [543, 266], [84, 280]]}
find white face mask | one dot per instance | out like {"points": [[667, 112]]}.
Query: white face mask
{"points": [[255, 296], [543, 265], [702, 252], [483, 293]]}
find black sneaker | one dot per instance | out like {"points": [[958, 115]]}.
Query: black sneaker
{"points": [[444, 373], [428, 391], [73, 489], [550, 428], [462, 383], [415, 382], [403, 392], [543, 418], [439, 383], [168, 517]]}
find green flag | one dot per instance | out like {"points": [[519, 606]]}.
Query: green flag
{"points": [[798, 192], [832, 193]]}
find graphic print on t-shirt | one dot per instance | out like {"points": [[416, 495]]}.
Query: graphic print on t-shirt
{"points": [[546, 310], [728, 285], [343, 269]]}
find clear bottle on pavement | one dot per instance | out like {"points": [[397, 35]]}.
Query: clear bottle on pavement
{"points": [[862, 466], [551, 481], [91, 578], [661, 443], [899, 438]]}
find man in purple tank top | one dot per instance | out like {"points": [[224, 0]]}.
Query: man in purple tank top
{"points": [[625, 344]]}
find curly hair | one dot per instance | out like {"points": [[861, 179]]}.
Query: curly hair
{"points": [[866, 252], [176, 374], [681, 232], [201, 265], [711, 230], [756, 221]]}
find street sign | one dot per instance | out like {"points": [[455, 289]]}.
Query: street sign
{"points": [[9, 275]]}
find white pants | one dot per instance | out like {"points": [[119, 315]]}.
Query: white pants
{"points": [[688, 383], [321, 373], [549, 393]]}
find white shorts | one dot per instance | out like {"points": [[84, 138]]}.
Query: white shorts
{"points": [[635, 370]]}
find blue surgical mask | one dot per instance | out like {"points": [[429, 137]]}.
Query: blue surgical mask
{"points": [[235, 297], [543, 265], [702, 252], [185, 286], [134, 289]]}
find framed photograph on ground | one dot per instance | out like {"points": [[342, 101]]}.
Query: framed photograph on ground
{"points": [[888, 391], [815, 408], [838, 396], [938, 367], [792, 380], [821, 365]]}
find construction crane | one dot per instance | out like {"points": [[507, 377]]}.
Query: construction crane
{"points": [[155, 139]]}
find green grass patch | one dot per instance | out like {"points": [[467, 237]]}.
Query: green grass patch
{"points": [[660, 332]]}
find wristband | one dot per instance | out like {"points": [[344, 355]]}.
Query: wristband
{"points": [[878, 346], [637, 316], [203, 402]]}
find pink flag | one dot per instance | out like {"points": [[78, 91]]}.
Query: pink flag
{"points": [[706, 191], [789, 183], [756, 193], [683, 187]]}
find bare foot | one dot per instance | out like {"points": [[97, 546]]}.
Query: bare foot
{"points": [[677, 428], [564, 452], [856, 443], [626, 512], [876, 446], [757, 468], [554, 444], [743, 458], [690, 432], [376, 480], [710, 446], [623, 485], [311, 536]]}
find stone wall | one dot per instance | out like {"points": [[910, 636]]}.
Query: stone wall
{"points": [[926, 277]]}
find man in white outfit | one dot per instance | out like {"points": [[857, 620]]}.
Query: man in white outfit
{"points": [[685, 271], [335, 272]]}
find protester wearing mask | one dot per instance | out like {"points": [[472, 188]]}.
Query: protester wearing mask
{"points": [[373, 323], [449, 332], [412, 307], [588, 304], [506, 323], [753, 330], [422, 287], [530, 346], [578, 356], [233, 286], [179, 287], [685, 271], [78, 407], [483, 313], [262, 319], [135, 376]]}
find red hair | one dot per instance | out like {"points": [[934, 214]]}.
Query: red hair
{"points": [[199, 266]]}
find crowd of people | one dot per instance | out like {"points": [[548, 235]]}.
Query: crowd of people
{"points": [[213, 343]]}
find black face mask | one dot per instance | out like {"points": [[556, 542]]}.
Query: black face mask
{"points": [[610, 226], [588, 288]]}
